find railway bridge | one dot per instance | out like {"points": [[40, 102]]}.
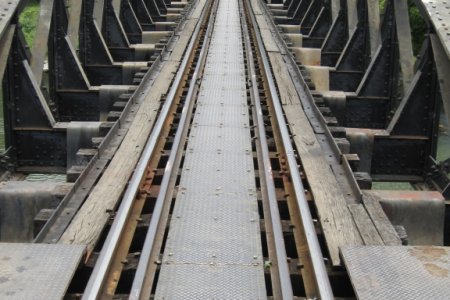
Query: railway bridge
{"points": [[225, 149]]}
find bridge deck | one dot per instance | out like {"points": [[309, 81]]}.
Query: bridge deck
{"points": [[214, 247], [37, 271], [414, 272]]}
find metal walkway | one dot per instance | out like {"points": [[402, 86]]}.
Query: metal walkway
{"points": [[37, 271], [214, 248], [413, 272]]}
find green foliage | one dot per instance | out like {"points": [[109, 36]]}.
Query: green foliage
{"points": [[28, 20], [418, 27]]}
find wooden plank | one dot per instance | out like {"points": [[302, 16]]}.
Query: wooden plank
{"points": [[382, 223], [90, 220], [337, 222], [366, 228], [269, 42], [256, 6], [335, 218], [262, 22], [185, 35], [198, 10], [289, 94], [266, 34], [178, 52]]}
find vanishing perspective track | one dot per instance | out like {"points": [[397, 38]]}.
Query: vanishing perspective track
{"points": [[217, 202]]}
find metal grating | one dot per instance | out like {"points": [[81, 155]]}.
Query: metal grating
{"points": [[37, 271], [381, 272], [213, 250]]}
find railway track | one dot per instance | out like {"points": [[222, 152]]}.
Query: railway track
{"points": [[128, 260], [223, 149]]}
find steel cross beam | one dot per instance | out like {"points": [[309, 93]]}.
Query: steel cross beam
{"points": [[360, 67], [84, 59]]}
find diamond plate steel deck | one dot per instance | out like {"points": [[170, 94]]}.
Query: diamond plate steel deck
{"points": [[213, 250], [37, 271], [380, 272]]}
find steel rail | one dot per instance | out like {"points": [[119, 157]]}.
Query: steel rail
{"points": [[96, 281], [280, 249], [67, 208], [312, 111], [318, 265], [141, 271]]}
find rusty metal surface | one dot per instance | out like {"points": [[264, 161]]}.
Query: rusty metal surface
{"points": [[37, 271], [379, 272], [422, 213], [213, 248], [120, 226]]}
